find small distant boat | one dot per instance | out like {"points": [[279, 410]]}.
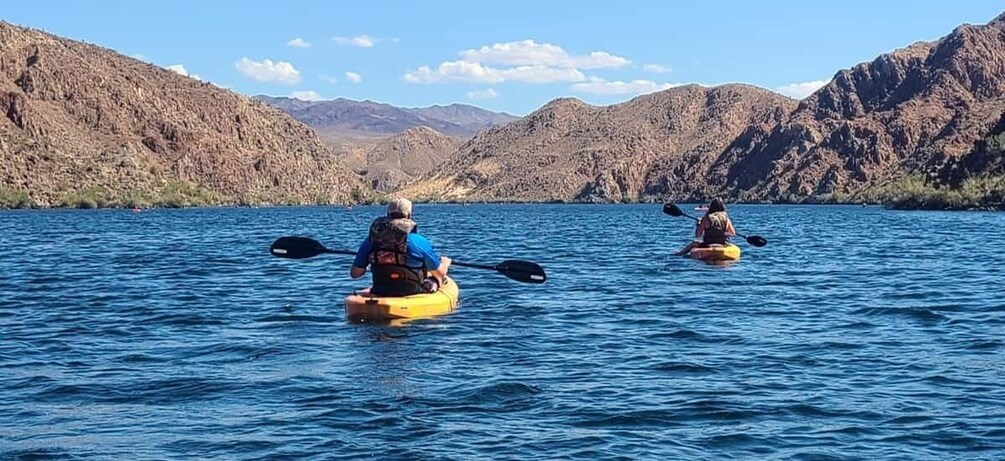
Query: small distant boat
{"points": [[137, 210], [701, 208]]}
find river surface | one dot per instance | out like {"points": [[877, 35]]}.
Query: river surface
{"points": [[857, 333]]}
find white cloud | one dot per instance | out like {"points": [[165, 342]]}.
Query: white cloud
{"points": [[600, 86], [298, 43], [457, 71], [657, 69], [180, 70], [524, 61], [542, 74], [308, 95], [328, 78], [801, 90], [268, 71], [473, 72], [353, 77], [531, 53], [361, 41], [485, 94]]}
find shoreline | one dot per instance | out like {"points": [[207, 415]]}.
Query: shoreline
{"points": [[348, 207]]}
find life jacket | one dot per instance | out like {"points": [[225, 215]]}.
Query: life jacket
{"points": [[715, 232], [389, 256]]}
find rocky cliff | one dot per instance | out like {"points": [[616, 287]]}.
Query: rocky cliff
{"points": [[881, 120]]}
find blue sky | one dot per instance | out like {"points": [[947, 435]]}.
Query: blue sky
{"points": [[513, 56]]}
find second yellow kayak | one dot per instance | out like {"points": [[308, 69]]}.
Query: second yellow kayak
{"points": [[362, 306], [728, 252]]}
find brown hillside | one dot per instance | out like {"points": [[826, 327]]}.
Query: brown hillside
{"points": [[84, 118]]}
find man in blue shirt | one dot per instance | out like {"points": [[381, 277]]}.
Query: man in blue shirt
{"points": [[402, 261]]}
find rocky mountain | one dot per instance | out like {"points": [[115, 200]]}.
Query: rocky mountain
{"points": [[879, 121], [661, 144], [85, 125], [344, 118], [389, 162]]}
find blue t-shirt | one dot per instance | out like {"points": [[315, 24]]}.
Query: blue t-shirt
{"points": [[419, 251]]}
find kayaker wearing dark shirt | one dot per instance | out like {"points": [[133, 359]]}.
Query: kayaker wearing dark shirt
{"points": [[402, 261], [714, 228]]}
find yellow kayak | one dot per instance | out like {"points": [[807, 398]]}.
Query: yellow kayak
{"points": [[361, 305], [716, 253]]}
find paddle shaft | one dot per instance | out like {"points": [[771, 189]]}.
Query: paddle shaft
{"points": [[293, 247], [472, 265], [455, 263]]}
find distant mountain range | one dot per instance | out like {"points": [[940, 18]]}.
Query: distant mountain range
{"points": [[365, 119], [921, 126]]}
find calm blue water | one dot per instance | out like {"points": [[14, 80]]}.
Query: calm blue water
{"points": [[172, 334]]}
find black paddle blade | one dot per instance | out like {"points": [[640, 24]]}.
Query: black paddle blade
{"points": [[296, 248], [757, 240], [672, 210], [522, 271]]}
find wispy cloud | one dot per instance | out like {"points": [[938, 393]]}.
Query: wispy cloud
{"points": [[360, 41], [599, 86], [307, 95], [298, 43], [657, 69], [180, 70], [483, 94], [472, 72], [353, 77], [268, 71], [801, 90], [328, 78]]}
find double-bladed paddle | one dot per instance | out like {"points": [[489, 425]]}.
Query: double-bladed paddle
{"points": [[674, 210], [304, 247]]}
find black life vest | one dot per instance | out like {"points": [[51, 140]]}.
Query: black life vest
{"points": [[715, 233], [389, 256]]}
